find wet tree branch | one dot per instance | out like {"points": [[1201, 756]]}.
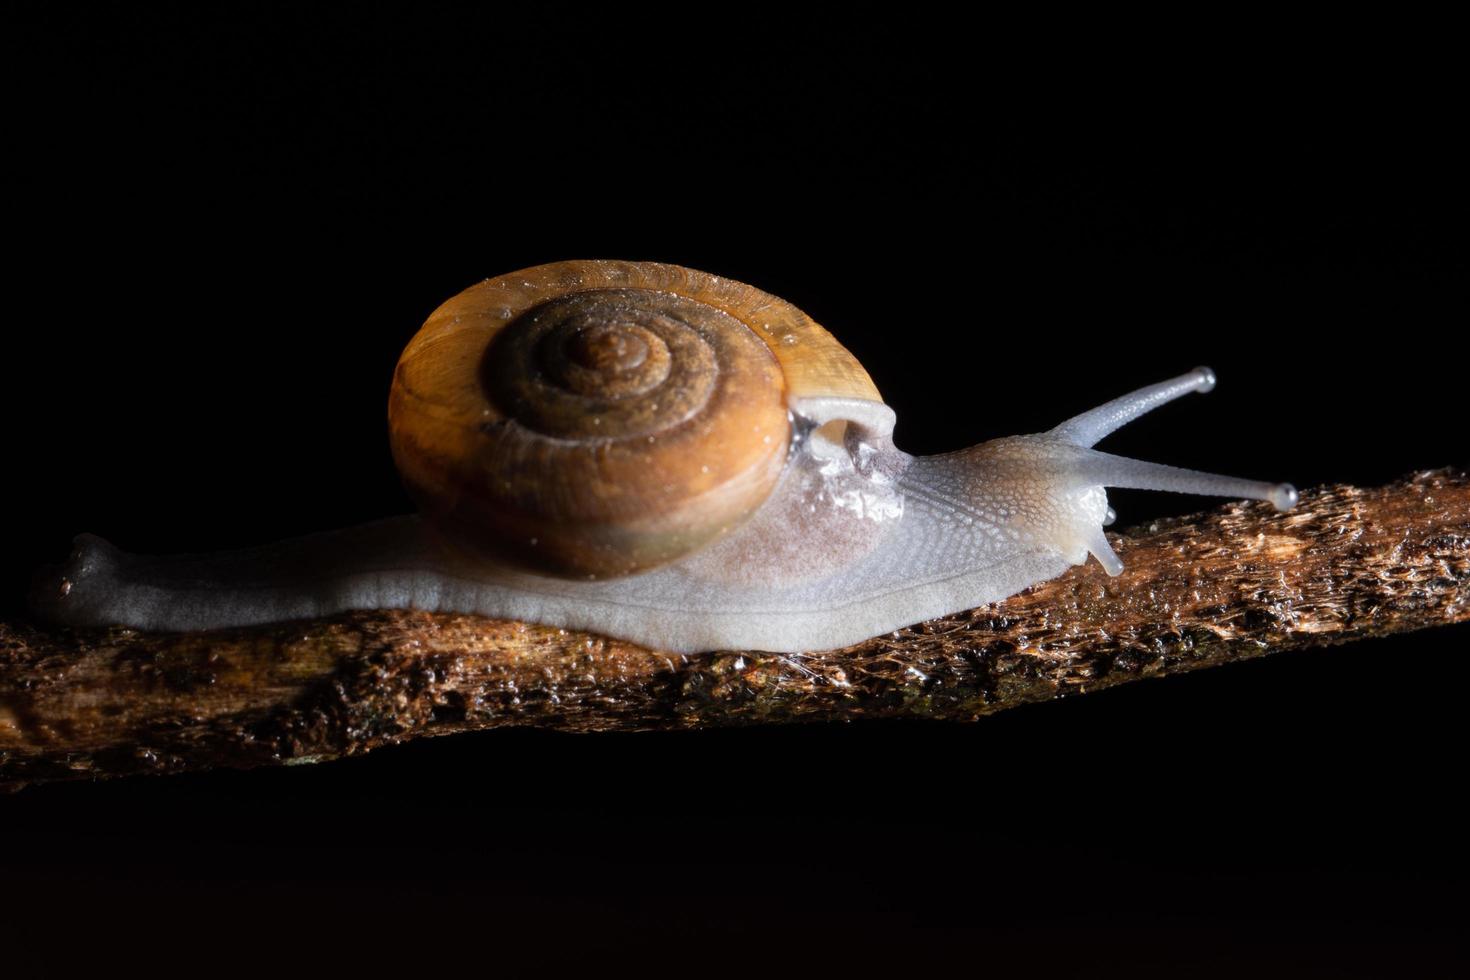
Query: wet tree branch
{"points": [[1231, 584]]}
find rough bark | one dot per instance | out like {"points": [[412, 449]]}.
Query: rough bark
{"points": [[1231, 584]]}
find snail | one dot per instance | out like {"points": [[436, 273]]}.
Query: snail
{"points": [[667, 457]]}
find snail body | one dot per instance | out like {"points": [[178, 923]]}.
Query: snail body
{"points": [[667, 457]]}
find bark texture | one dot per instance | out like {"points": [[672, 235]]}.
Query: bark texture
{"points": [[1230, 584]]}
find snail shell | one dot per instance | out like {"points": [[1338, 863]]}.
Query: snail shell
{"points": [[596, 419], [667, 457]]}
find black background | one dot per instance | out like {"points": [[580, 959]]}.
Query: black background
{"points": [[224, 226]]}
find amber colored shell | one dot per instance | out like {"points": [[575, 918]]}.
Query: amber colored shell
{"points": [[597, 418]]}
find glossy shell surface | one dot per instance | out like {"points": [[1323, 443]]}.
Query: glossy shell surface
{"points": [[592, 419]]}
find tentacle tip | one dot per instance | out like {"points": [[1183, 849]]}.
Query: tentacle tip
{"points": [[1283, 496], [1206, 379]]}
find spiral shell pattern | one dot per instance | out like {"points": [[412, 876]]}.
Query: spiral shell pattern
{"points": [[595, 419]]}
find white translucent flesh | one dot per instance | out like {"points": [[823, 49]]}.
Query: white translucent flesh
{"points": [[1104, 469], [858, 540], [944, 560], [1089, 428]]}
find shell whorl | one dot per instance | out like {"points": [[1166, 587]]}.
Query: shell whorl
{"points": [[597, 418]]}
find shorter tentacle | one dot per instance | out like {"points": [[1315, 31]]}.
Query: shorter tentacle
{"points": [[1087, 429], [1097, 543]]}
